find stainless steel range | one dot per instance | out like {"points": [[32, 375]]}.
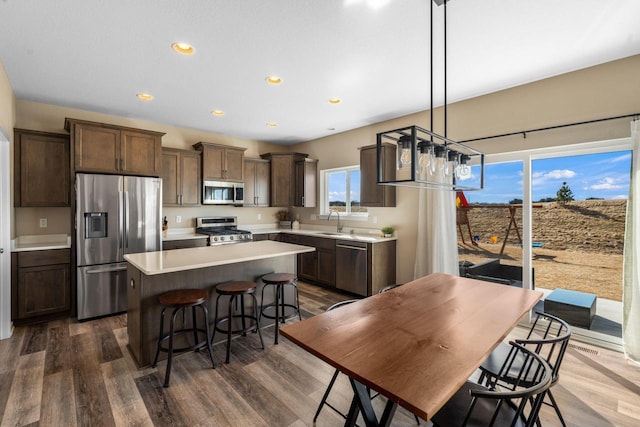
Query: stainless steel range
{"points": [[222, 230]]}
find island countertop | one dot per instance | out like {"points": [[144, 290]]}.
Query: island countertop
{"points": [[161, 262]]}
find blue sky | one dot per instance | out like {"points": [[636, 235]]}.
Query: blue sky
{"points": [[338, 186], [595, 175]]}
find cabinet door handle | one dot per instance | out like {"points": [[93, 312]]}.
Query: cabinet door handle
{"points": [[177, 199], [132, 283], [303, 201]]}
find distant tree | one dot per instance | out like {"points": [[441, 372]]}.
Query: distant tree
{"points": [[595, 198], [546, 200], [515, 202], [564, 194]]}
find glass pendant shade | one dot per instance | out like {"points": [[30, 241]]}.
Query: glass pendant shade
{"points": [[404, 152]]}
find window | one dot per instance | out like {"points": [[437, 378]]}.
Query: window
{"points": [[341, 191]]}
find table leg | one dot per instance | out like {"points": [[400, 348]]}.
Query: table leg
{"points": [[362, 403]]}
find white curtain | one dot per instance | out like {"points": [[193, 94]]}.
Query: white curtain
{"points": [[631, 269], [437, 248]]}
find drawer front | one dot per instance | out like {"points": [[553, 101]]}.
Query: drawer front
{"points": [[38, 258]]}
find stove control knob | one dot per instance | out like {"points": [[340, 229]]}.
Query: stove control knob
{"points": [[222, 239], [230, 237], [215, 239]]}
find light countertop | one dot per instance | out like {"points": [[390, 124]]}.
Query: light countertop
{"points": [[161, 262], [363, 237], [40, 242]]}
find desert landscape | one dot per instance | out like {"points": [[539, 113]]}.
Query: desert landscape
{"points": [[581, 243]]}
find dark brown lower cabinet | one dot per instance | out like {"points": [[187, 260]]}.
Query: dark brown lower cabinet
{"points": [[40, 285], [320, 266]]}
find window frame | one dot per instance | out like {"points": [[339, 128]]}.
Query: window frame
{"points": [[324, 194]]}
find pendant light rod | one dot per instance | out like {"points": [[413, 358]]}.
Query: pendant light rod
{"points": [[431, 68], [445, 68]]}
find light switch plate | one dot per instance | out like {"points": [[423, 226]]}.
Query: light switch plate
{"points": [[178, 218], [43, 222]]}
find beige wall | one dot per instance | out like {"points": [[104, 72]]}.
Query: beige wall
{"points": [[7, 120], [606, 90]]}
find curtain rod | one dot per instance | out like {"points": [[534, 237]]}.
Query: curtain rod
{"points": [[525, 132]]}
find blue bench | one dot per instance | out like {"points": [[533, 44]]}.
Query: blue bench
{"points": [[576, 308]]}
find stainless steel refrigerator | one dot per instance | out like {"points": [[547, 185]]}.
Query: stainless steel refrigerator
{"points": [[115, 215]]}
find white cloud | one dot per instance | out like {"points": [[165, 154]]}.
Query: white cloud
{"points": [[540, 178], [621, 197], [606, 184], [560, 174]]}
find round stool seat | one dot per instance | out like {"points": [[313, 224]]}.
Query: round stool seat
{"points": [[236, 288], [183, 297], [278, 278]]}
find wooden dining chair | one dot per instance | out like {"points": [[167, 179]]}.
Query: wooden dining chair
{"points": [[518, 406], [548, 337]]}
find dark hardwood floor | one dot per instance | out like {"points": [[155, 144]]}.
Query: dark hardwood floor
{"points": [[65, 373]]}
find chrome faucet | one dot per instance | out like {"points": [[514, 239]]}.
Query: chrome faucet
{"points": [[338, 226]]}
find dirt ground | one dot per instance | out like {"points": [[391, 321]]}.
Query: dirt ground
{"points": [[582, 243], [599, 274]]}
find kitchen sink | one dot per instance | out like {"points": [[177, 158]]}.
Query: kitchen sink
{"points": [[329, 233]]}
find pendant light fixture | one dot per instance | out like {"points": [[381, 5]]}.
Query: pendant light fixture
{"points": [[424, 158]]}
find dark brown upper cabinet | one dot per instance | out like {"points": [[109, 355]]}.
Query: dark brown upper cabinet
{"points": [[181, 177], [293, 179], [371, 193], [221, 162], [41, 169], [257, 174], [104, 148]]}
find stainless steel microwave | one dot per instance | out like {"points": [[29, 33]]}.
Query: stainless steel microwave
{"points": [[222, 193]]}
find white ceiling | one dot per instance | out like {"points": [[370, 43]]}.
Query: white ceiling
{"points": [[373, 54]]}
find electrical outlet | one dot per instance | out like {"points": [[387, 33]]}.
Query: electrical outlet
{"points": [[375, 219], [259, 217], [43, 222], [178, 218]]}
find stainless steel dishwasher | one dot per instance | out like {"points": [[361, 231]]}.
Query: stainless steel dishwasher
{"points": [[351, 266]]}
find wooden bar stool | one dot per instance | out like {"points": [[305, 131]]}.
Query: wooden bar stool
{"points": [[179, 300], [279, 281], [233, 290]]}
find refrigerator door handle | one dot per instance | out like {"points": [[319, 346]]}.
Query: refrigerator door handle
{"points": [[125, 224], [120, 225]]}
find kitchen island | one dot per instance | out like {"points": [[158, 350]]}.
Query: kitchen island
{"points": [[153, 273]]}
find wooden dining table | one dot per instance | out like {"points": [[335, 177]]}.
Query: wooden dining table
{"points": [[416, 344]]}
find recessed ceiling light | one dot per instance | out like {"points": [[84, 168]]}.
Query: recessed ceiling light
{"points": [[217, 113], [335, 101], [183, 48], [273, 80], [272, 124], [144, 96]]}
